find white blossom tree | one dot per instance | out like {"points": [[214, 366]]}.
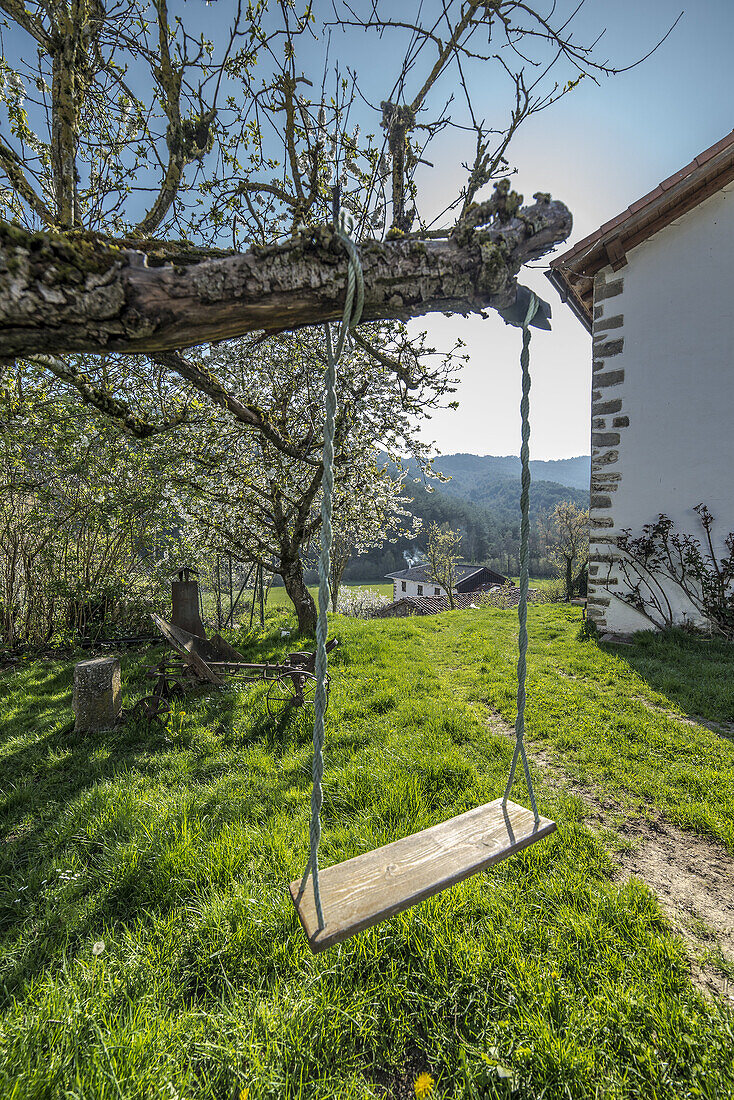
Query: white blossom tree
{"points": [[257, 497], [366, 519]]}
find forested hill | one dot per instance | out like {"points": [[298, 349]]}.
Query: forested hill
{"points": [[486, 510], [485, 479]]}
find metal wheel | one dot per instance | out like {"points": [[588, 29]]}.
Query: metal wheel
{"points": [[169, 679], [151, 709], [292, 690]]}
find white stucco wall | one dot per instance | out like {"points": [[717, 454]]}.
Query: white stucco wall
{"points": [[411, 589], [677, 328]]}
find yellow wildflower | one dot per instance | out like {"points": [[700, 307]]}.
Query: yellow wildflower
{"points": [[423, 1085], [244, 1093]]}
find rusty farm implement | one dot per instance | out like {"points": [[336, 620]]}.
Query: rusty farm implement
{"points": [[291, 683]]}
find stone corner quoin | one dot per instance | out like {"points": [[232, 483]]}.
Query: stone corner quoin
{"points": [[609, 418]]}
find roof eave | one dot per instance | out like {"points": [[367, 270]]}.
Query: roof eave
{"points": [[711, 171], [566, 294]]}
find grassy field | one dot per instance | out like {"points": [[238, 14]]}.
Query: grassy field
{"points": [[148, 946], [278, 597]]}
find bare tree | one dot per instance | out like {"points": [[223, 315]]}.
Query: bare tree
{"points": [[442, 552], [571, 550]]}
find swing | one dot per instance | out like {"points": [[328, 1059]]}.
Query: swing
{"points": [[360, 892]]}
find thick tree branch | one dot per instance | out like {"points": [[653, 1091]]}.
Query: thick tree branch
{"points": [[250, 415], [76, 292], [101, 399]]}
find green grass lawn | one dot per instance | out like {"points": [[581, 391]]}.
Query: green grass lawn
{"points": [[543, 977], [278, 597]]}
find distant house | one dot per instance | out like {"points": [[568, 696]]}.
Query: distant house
{"points": [[417, 581], [655, 286]]}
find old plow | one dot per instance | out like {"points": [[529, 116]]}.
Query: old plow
{"points": [[201, 660]]}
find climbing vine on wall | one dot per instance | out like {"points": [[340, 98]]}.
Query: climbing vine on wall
{"points": [[662, 560]]}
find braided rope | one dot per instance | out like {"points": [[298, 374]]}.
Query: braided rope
{"points": [[350, 318], [522, 607]]}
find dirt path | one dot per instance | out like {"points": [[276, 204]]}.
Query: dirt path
{"points": [[693, 877]]}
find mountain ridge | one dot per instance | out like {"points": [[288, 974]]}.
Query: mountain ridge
{"points": [[477, 478]]}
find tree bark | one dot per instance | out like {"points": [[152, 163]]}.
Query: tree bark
{"points": [[76, 292], [338, 568], [299, 595]]}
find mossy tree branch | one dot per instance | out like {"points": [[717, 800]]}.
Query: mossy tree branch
{"points": [[64, 293]]}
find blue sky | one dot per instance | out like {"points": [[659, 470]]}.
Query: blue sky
{"points": [[598, 150]]}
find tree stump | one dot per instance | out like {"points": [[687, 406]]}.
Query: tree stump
{"points": [[97, 694]]}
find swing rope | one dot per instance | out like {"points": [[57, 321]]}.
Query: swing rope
{"points": [[350, 318], [522, 607]]}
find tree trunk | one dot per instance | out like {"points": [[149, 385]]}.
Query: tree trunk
{"points": [[300, 597], [337, 572], [80, 292], [569, 578]]}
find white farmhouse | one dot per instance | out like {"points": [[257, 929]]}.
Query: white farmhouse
{"points": [[416, 581], [655, 287]]}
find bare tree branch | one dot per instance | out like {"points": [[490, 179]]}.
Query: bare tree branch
{"points": [[13, 167], [387, 361], [25, 19]]}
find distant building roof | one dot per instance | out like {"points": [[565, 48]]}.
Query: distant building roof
{"points": [[422, 605], [433, 605], [482, 574], [572, 274]]}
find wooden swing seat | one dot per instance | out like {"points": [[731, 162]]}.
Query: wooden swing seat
{"points": [[371, 887]]}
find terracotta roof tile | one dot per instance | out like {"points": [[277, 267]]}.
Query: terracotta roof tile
{"points": [[610, 224], [678, 176]]}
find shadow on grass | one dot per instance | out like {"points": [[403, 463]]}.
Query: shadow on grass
{"points": [[73, 802], [695, 673]]}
